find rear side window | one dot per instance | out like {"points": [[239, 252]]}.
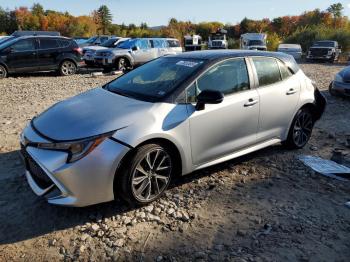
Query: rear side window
{"points": [[23, 45], [65, 42], [285, 72], [173, 43], [268, 70], [143, 44], [48, 43], [159, 43]]}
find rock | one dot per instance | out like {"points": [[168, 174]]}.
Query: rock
{"points": [[241, 233], [185, 217], [141, 215], [126, 220], [331, 135], [219, 247], [52, 242], [82, 248], [200, 255], [84, 237], [159, 259], [149, 208], [119, 243], [313, 148], [95, 227], [170, 211]]}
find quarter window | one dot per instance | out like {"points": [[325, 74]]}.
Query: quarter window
{"points": [[48, 43], [268, 70], [227, 77], [159, 43], [23, 45], [285, 72], [173, 43]]}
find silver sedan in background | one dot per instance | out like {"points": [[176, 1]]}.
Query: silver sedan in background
{"points": [[169, 117]]}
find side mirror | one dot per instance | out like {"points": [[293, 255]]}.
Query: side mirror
{"points": [[9, 50], [208, 97], [135, 48]]}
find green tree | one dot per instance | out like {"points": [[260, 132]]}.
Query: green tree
{"points": [[37, 9], [103, 18], [337, 11]]}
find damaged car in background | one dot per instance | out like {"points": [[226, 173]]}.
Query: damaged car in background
{"points": [[136, 51], [167, 118], [325, 50]]}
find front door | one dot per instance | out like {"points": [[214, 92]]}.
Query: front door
{"points": [[23, 56], [224, 128], [144, 52]]}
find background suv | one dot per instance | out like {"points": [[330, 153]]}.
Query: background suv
{"points": [[39, 53], [324, 50], [136, 51]]}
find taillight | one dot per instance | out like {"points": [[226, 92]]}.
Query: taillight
{"points": [[79, 50]]}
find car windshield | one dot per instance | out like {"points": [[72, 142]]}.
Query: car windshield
{"points": [[6, 43], [156, 79], [256, 42], [91, 39], [128, 44], [109, 43], [325, 44]]}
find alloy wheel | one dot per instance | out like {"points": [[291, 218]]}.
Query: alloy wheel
{"points": [[302, 129], [122, 64], [68, 68], [151, 175]]}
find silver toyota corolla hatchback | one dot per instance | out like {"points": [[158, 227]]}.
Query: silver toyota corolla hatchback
{"points": [[168, 117]]}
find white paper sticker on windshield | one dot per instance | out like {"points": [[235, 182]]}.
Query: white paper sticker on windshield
{"points": [[187, 63]]}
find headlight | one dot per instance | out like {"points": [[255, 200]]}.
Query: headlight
{"points": [[330, 51], [76, 149], [338, 78]]}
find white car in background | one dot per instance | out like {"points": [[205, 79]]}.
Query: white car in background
{"points": [[294, 50]]}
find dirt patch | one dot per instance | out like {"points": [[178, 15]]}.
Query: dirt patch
{"points": [[265, 206]]}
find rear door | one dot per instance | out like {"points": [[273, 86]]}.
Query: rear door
{"points": [[230, 126], [48, 52], [23, 56], [279, 92]]}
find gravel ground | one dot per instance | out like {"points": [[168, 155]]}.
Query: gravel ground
{"points": [[262, 207]]}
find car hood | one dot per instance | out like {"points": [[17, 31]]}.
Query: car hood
{"points": [[94, 47], [92, 113]]}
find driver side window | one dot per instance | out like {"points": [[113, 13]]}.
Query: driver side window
{"points": [[228, 77]]}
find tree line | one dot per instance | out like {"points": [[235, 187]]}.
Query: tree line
{"points": [[304, 29]]}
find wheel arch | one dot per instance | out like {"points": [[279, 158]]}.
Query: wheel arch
{"points": [[162, 141], [67, 59]]}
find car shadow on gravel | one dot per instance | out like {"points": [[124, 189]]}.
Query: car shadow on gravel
{"points": [[82, 71], [23, 215]]}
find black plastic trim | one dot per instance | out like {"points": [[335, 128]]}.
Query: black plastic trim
{"points": [[120, 142]]}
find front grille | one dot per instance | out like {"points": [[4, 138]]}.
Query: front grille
{"points": [[38, 174], [216, 44], [319, 52]]}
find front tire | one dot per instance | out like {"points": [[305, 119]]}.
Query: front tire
{"points": [[122, 64], [147, 174], [3, 72], [67, 68], [300, 130]]}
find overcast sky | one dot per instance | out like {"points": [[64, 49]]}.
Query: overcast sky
{"points": [[158, 12]]}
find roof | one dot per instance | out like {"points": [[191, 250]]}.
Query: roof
{"points": [[214, 55], [43, 36], [289, 46]]}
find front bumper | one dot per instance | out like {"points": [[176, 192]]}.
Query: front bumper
{"points": [[86, 182], [322, 57], [341, 88], [103, 61]]}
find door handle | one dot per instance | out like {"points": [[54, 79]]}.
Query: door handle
{"points": [[291, 91], [251, 102]]}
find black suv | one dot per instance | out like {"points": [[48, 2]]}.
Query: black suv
{"points": [[325, 50], [39, 53]]}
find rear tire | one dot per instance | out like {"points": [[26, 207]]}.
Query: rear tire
{"points": [[3, 72], [146, 175], [67, 68], [300, 130]]}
